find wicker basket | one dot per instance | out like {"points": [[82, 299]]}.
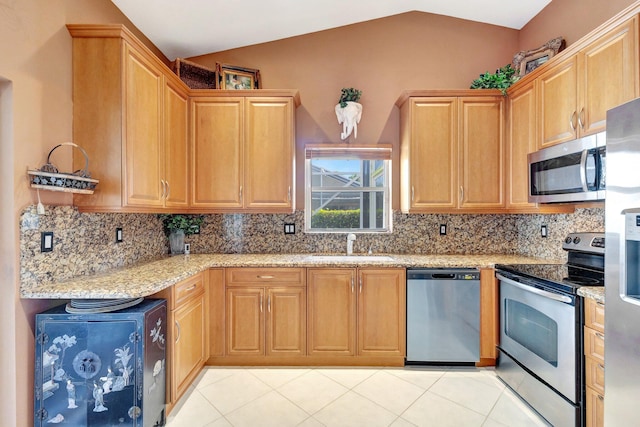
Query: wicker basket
{"points": [[48, 177], [194, 75]]}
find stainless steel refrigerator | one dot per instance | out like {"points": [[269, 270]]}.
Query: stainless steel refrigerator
{"points": [[622, 266]]}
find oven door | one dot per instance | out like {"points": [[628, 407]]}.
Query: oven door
{"points": [[538, 330]]}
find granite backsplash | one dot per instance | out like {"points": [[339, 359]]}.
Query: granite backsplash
{"points": [[85, 243]]}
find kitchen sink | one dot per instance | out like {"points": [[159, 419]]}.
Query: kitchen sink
{"points": [[349, 258]]}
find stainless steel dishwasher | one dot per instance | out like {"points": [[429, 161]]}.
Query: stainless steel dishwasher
{"points": [[443, 316]]}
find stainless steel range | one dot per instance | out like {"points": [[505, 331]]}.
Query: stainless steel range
{"points": [[541, 320]]}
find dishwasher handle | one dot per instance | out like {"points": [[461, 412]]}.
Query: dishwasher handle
{"points": [[443, 276]]}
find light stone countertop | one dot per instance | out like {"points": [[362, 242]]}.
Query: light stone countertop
{"points": [[146, 279], [593, 292]]}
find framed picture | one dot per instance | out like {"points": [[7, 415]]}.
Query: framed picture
{"points": [[231, 77], [526, 61]]}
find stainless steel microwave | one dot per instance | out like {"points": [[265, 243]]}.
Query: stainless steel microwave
{"points": [[572, 171]]}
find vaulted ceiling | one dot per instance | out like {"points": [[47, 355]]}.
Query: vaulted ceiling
{"points": [[187, 28]]}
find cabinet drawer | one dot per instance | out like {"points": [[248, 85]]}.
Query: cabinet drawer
{"points": [[265, 276], [594, 344], [594, 314], [594, 371], [187, 289]]}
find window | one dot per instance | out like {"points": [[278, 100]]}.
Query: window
{"points": [[348, 188]]}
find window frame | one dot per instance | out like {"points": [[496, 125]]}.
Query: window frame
{"points": [[350, 152]]}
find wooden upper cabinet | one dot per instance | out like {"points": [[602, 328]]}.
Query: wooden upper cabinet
{"points": [[452, 151], [216, 152], [575, 93], [429, 152], [130, 117], [176, 130], [243, 152], [481, 152], [522, 140], [269, 154]]}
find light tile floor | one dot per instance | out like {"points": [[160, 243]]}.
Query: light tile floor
{"points": [[359, 397]]}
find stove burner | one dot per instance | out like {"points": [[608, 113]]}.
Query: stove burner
{"points": [[577, 280]]}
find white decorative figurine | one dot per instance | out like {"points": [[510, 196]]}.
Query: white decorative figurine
{"points": [[71, 393], [349, 112]]}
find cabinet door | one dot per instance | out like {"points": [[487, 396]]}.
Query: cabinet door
{"points": [[609, 67], [216, 152], [331, 311], [522, 140], [594, 408], [286, 321], [269, 155], [176, 145], [430, 150], [558, 101], [482, 152], [143, 88], [189, 343], [245, 321], [381, 312]]}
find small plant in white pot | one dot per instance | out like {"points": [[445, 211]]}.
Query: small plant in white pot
{"points": [[349, 111], [176, 226]]}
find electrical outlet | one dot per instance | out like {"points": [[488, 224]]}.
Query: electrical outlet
{"points": [[543, 230], [289, 228], [443, 229], [119, 235], [46, 241]]}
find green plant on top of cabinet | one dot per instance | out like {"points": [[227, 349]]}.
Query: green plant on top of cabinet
{"points": [[576, 92], [130, 115], [243, 151]]}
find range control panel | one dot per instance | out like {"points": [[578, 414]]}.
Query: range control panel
{"points": [[584, 242]]}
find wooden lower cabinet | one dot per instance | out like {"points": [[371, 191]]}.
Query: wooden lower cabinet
{"points": [[187, 341], [357, 312], [265, 312], [594, 361]]}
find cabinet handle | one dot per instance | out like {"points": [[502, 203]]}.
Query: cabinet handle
{"points": [[352, 285], [600, 303], [269, 303], [241, 194], [178, 327], [266, 277], [601, 398], [599, 335], [572, 119], [580, 118], [261, 300], [601, 366], [412, 193], [461, 194], [360, 284], [289, 194], [190, 288], [168, 187], [164, 189]]}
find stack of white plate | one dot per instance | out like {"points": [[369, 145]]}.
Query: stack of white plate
{"points": [[79, 306]]}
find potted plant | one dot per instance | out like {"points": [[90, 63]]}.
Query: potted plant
{"points": [[502, 79], [349, 111], [176, 226]]}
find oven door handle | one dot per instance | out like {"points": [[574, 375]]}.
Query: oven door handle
{"points": [[533, 290]]}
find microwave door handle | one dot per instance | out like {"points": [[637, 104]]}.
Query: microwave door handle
{"points": [[546, 294], [583, 170]]}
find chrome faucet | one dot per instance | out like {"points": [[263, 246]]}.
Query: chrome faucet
{"points": [[350, 239]]}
